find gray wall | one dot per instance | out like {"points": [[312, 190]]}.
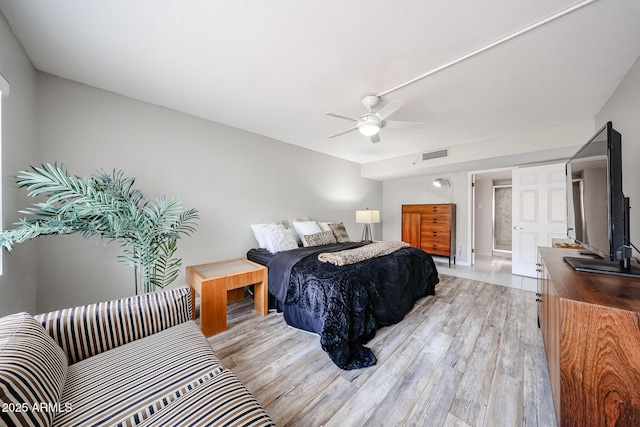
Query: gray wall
{"points": [[234, 178], [623, 109], [18, 285], [484, 217], [502, 214]]}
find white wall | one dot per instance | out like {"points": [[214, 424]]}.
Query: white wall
{"points": [[529, 146], [234, 178], [623, 109], [566, 138], [18, 285], [421, 190]]}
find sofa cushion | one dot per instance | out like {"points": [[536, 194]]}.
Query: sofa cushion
{"points": [[91, 329], [125, 385], [222, 401], [32, 372]]}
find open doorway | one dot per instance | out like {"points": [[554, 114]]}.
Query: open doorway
{"points": [[492, 216]]}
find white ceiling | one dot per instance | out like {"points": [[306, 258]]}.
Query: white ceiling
{"points": [[274, 67]]}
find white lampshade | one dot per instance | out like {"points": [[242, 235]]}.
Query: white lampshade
{"points": [[367, 217]]}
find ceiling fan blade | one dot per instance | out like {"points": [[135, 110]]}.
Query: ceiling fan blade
{"points": [[340, 117], [389, 109], [343, 132], [404, 125], [375, 138]]}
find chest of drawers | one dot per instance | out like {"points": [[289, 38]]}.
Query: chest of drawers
{"points": [[431, 227]]}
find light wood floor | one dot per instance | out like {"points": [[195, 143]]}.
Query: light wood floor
{"points": [[470, 356]]}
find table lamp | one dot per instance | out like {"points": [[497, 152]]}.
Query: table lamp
{"points": [[367, 218]]}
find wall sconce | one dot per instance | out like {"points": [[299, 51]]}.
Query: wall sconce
{"points": [[367, 218], [443, 182]]}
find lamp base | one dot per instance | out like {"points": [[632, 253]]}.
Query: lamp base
{"points": [[366, 234]]}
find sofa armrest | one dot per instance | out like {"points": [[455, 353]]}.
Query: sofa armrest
{"points": [[91, 329]]}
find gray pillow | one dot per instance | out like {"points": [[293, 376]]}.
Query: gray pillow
{"points": [[340, 232]]}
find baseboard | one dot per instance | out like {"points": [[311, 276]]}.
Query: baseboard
{"points": [[443, 260]]}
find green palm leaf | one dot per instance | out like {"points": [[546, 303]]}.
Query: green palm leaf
{"points": [[108, 206]]}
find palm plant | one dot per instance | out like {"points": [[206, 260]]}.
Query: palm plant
{"points": [[106, 205]]}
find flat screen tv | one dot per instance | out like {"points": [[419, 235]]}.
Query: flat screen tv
{"points": [[597, 210]]}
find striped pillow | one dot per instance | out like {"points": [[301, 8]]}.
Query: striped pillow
{"points": [[33, 369], [88, 330]]}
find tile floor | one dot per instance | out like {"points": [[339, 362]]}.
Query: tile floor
{"points": [[496, 270]]}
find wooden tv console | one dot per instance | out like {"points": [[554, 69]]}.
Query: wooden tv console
{"points": [[591, 329]]}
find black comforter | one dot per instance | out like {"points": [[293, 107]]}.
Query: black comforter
{"points": [[346, 304]]}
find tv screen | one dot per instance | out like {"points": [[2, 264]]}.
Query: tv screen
{"points": [[597, 211], [589, 195]]}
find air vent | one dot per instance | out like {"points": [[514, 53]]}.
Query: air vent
{"points": [[437, 154]]}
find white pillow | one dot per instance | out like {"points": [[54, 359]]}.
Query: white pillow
{"points": [[324, 225], [258, 231], [306, 227], [277, 239], [288, 225], [294, 235]]}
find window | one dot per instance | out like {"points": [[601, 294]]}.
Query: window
{"points": [[4, 91]]}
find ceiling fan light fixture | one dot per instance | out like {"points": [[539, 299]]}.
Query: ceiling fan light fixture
{"points": [[369, 129], [369, 125]]}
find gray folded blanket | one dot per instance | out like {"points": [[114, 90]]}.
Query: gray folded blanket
{"points": [[351, 256]]}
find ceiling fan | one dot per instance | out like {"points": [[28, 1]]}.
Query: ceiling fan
{"points": [[371, 123]]}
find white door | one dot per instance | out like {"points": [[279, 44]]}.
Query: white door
{"points": [[538, 213]]}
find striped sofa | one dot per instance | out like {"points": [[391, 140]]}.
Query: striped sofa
{"points": [[138, 361]]}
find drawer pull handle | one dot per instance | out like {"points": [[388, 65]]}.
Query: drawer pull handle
{"points": [[538, 299]]}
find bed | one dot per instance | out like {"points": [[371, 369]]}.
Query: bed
{"points": [[345, 305]]}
